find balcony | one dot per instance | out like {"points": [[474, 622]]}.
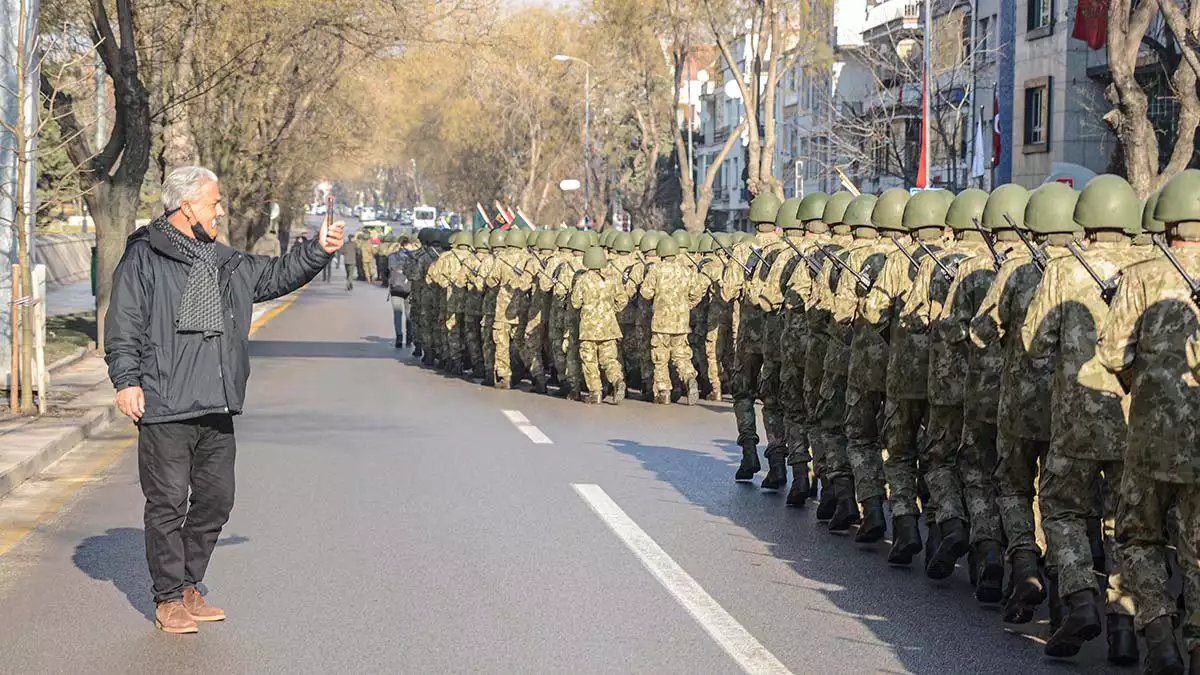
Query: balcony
{"points": [[894, 18]]}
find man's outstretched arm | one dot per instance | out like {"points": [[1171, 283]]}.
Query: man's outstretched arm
{"points": [[276, 277]]}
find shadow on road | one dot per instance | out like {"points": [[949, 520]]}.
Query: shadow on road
{"points": [[119, 556], [911, 616], [319, 350]]}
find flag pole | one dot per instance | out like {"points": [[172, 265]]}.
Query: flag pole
{"points": [[925, 121]]}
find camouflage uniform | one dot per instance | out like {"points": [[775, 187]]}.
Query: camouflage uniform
{"points": [[1088, 424], [796, 283], [416, 279], [428, 299], [674, 287], [567, 340], [534, 344], [1024, 407], [718, 329], [598, 299], [445, 275], [757, 375], [511, 281], [643, 317], [621, 271], [367, 250], [1153, 330]]}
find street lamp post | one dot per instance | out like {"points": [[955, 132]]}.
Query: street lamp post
{"points": [[587, 127]]}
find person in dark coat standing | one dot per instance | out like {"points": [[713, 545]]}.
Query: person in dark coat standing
{"points": [[176, 336]]}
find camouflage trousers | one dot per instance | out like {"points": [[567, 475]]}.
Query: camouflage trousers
{"points": [[970, 482], [668, 350], [756, 377], [641, 354], [631, 364], [1016, 477], [597, 355], [533, 348], [473, 340], [939, 456], [718, 345], [416, 309], [814, 372], [1142, 542], [864, 451], [828, 437], [570, 340], [368, 268], [902, 420], [439, 340], [792, 344], [489, 345], [502, 337], [1065, 493], [454, 336]]}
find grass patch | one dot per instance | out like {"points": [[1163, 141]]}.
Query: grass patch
{"points": [[67, 333]]}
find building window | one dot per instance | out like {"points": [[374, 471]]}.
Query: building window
{"points": [[1037, 115], [1041, 19]]}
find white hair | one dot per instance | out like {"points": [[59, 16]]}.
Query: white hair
{"points": [[183, 184]]}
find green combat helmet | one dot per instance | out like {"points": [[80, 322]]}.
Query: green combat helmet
{"points": [[482, 240], [1109, 202], [966, 210], [888, 213], [637, 235], [516, 239], [594, 258], [1150, 224], [622, 243], [763, 209], [706, 243], [723, 239], [460, 240], [835, 208], [593, 237], [1007, 200], [812, 207], [925, 209], [682, 239], [496, 239], [858, 212], [579, 241], [743, 237], [786, 218], [422, 237], [546, 240], [667, 247], [606, 239], [563, 238], [1051, 209], [1179, 200], [649, 242]]}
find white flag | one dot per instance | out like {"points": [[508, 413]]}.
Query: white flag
{"points": [[977, 156]]}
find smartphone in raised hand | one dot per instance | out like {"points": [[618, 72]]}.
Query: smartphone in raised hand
{"points": [[328, 220]]}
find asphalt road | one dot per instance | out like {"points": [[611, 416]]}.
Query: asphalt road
{"points": [[390, 519]]}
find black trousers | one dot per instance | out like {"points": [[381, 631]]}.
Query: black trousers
{"points": [[182, 530]]}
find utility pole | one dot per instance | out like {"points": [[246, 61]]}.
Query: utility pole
{"points": [[587, 128]]}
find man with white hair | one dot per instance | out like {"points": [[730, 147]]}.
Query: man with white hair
{"points": [[175, 340]]}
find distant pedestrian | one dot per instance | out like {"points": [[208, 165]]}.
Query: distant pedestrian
{"points": [[176, 336], [349, 251]]}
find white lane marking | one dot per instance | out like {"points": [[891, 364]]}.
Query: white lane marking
{"points": [[712, 617], [524, 426]]}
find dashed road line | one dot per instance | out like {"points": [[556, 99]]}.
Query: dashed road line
{"points": [[747, 651], [523, 425]]}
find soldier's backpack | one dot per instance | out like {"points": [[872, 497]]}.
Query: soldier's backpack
{"points": [[398, 284]]}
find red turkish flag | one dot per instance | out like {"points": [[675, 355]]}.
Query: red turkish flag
{"points": [[923, 165], [995, 128], [1091, 22]]}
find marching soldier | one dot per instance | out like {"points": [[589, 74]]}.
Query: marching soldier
{"points": [[674, 287], [598, 298]]}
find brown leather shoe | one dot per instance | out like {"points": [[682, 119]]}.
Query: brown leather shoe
{"points": [[199, 609], [173, 617]]}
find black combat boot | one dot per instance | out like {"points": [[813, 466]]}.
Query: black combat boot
{"points": [[973, 568], [1080, 623], [417, 353], [502, 383], [693, 395], [798, 495], [1123, 644], [750, 464], [399, 342], [989, 563], [846, 513], [1054, 600], [955, 544], [906, 540], [593, 398], [539, 384], [814, 488], [662, 398], [933, 536], [1162, 653], [618, 393], [1028, 590], [776, 472], [453, 367], [828, 503], [874, 523]]}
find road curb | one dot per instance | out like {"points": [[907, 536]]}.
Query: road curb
{"points": [[61, 435], [68, 360]]}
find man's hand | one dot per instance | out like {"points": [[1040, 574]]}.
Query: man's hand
{"points": [[330, 236], [132, 403]]}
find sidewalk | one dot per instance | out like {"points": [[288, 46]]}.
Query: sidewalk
{"points": [[81, 401]]}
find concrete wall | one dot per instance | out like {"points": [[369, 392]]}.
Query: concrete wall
{"points": [[67, 257]]}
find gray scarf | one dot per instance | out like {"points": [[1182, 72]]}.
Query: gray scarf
{"points": [[200, 308]]}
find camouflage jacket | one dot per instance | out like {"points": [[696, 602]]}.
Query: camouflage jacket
{"points": [[1153, 329], [626, 263], [1088, 406], [948, 361], [867, 364], [643, 311], [598, 299], [737, 286], [1025, 382], [842, 301], [674, 286]]}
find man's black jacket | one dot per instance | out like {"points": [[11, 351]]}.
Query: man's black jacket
{"points": [[185, 375]]}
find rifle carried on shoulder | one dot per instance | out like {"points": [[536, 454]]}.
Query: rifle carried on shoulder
{"points": [[1039, 255], [814, 267], [997, 257], [946, 271], [1108, 288], [845, 267], [1193, 284], [732, 257]]}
